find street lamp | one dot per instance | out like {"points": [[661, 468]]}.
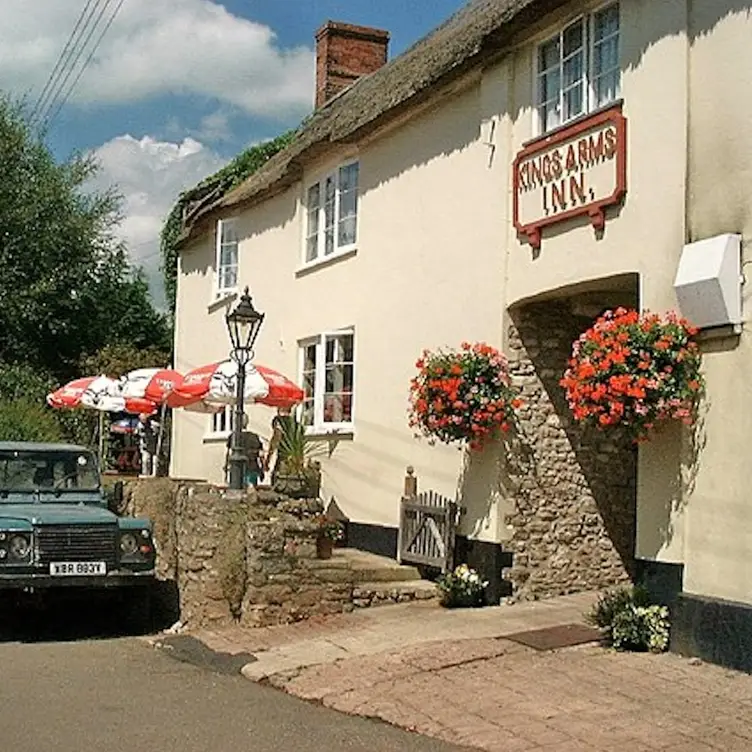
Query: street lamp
{"points": [[243, 324]]}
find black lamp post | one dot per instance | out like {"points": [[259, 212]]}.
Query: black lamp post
{"points": [[243, 324]]}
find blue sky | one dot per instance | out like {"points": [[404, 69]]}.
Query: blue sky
{"points": [[178, 87]]}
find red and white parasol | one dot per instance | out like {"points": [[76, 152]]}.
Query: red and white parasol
{"points": [[100, 393], [210, 387], [154, 384]]}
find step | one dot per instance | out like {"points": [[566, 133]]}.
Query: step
{"points": [[370, 594], [368, 567]]}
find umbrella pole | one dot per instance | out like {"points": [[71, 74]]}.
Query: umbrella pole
{"points": [[160, 434], [101, 441]]}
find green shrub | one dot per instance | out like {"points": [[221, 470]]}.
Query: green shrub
{"points": [[23, 420], [641, 628], [629, 622], [613, 602]]}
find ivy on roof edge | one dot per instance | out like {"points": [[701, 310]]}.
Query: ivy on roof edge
{"points": [[224, 180]]}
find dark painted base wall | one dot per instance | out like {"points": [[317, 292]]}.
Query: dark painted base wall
{"points": [[487, 558], [712, 629]]}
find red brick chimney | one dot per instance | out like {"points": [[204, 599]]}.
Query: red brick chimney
{"points": [[344, 53]]}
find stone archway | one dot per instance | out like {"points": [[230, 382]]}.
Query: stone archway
{"points": [[572, 511]]}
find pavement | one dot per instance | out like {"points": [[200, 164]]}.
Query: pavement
{"points": [[456, 676], [121, 695]]}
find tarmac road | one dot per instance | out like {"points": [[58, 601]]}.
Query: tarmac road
{"points": [[63, 689]]}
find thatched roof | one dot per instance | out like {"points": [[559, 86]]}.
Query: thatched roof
{"points": [[482, 29]]}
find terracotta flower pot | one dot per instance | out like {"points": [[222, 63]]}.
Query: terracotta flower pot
{"points": [[324, 548]]}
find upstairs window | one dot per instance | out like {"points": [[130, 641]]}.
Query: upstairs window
{"points": [[332, 214], [578, 69], [328, 374], [227, 258], [221, 423]]}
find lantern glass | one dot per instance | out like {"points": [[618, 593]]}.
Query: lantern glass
{"points": [[243, 324]]}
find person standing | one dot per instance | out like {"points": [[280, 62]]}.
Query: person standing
{"points": [[147, 430], [280, 425], [252, 448]]}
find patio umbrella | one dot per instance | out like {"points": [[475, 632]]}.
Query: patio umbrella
{"points": [[100, 393], [153, 384], [210, 387]]}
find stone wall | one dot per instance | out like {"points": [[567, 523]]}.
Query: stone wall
{"points": [[573, 491], [246, 559]]}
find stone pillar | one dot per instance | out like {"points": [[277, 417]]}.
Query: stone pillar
{"points": [[573, 490]]}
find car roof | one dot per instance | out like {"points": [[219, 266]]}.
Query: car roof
{"points": [[31, 446]]}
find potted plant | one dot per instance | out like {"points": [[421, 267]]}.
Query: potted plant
{"points": [[299, 474], [328, 532], [462, 396], [634, 371], [462, 588]]}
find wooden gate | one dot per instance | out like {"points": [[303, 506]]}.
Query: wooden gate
{"points": [[428, 523]]}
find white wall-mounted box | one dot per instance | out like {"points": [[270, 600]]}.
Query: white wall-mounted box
{"points": [[708, 281]]}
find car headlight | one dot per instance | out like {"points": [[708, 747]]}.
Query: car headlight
{"points": [[19, 547], [128, 544]]}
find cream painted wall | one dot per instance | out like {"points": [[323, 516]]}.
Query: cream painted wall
{"points": [[719, 508], [428, 272], [438, 261]]}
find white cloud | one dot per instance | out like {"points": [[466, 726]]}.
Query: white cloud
{"points": [[150, 174], [155, 47]]}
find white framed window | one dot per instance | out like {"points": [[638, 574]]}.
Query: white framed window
{"points": [[332, 214], [327, 366], [226, 274], [578, 69], [222, 423]]}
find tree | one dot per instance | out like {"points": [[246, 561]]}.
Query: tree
{"points": [[66, 287], [118, 359]]}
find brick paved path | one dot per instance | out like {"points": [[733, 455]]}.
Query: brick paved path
{"points": [[496, 695]]}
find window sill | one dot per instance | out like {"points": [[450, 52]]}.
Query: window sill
{"points": [[216, 438], [339, 431], [223, 299], [325, 261], [574, 121]]}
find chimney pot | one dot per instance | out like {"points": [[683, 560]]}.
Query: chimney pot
{"points": [[345, 53]]}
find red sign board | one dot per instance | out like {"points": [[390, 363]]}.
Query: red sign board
{"points": [[577, 171]]}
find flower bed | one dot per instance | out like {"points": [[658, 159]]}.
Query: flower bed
{"points": [[634, 371], [462, 396]]}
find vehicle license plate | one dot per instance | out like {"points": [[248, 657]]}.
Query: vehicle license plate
{"points": [[77, 568]]}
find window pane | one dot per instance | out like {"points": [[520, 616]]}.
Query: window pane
{"points": [[329, 243], [574, 67], [309, 358], [549, 115], [348, 231], [306, 416], [606, 56], [337, 408], [312, 248], [573, 102], [573, 38], [314, 197], [548, 55], [339, 378], [346, 342], [228, 232], [231, 277], [348, 178], [550, 85], [607, 88], [329, 190], [348, 204], [606, 22]]}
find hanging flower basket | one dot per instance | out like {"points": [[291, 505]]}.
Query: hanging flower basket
{"points": [[462, 396], [635, 371]]}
